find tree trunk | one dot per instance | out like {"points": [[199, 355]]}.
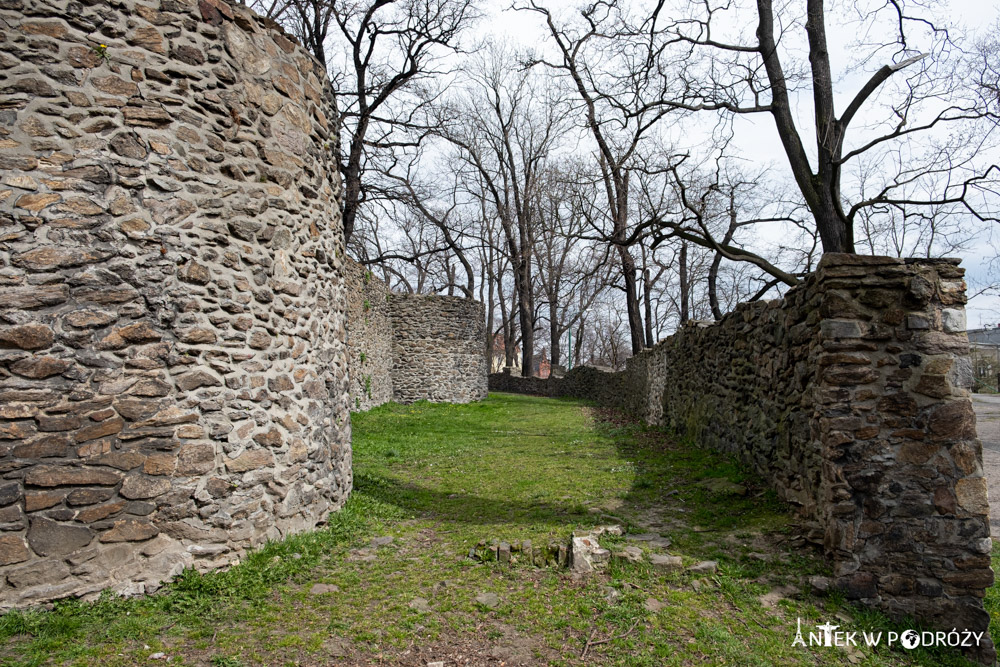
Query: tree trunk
{"points": [[525, 313], [683, 277], [554, 331], [631, 299], [648, 302]]}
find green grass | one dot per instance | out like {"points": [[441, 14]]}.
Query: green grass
{"points": [[441, 478]]}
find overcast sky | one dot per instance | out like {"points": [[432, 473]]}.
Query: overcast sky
{"points": [[756, 136]]}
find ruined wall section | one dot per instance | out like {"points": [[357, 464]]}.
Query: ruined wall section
{"points": [[438, 348], [173, 379], [851, 397], [369, 337]]}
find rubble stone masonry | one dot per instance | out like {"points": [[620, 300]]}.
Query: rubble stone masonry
{"points": [[851, 396], [412, 347], [173, 375]]}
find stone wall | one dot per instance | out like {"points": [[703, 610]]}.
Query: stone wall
{"points": [[412, 347], [173, 381], [438, 348], [369, 337], [851, 397]]}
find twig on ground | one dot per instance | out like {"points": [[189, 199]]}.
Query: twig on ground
{"points": [[591, 642]]}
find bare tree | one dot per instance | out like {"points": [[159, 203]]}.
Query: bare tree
{"points": [[394, 50], [504, 124], [915, 88], [613, 79], [572, 273]]}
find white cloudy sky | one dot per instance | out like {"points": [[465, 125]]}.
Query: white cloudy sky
{"points": [[756, 136]]}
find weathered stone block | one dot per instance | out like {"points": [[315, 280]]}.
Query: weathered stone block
{"points": [[49, 538]]}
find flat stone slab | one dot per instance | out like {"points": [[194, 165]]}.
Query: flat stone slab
{"points": [[488, 600], [666, 563], [704, 567], [323, 589]]}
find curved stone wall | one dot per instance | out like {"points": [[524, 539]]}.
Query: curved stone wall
{"points": [[173, 381]]}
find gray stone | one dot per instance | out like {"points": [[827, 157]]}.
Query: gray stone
{"points": [[48, 538], [488, 600], [420, 605], [953, 320], [666, 563], [704, 567], [323, 589]]}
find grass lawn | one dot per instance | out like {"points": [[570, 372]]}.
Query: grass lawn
{"points": [[440, 479]]}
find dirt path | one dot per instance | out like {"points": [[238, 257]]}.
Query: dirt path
{"points": [[988, 426]]}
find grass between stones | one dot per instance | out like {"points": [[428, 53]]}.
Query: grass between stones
{"points": [[440, 478]]}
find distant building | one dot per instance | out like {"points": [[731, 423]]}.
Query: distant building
{"points": [[987, 336], [499, 358], [541, 366]]}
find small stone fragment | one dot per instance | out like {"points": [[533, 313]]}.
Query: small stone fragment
{"points": [[488, 600]]}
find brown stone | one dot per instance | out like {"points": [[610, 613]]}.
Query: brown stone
{"points": [[93, 448], [89, 496], [975, 579], [36, 202], [39, 368], [197, 379], [898, 404], [27, 337], [160, 464], [139, 332], [17, 430], [197, 336], [71, 476], [134, 227], [849, 375], [935, 386], [89, 319], [83, 57], [130, 530], [271, 438], [123, 460], [954, 420], [128, 145], [40, 500], [148, 38], [250, 460], [917, 452], [171, 416], [35, 296], [112, 85], [99, 512], [971, 495], [48, 538], [146, 116], [13, 550], [189, 55], [190, 432], [195, 459], [151, 387], [195, 273], [259, 340], [100, 429], [945, 501], [52, 29], [140, 487], [966, 457], [32, 86], [51, 258], [44, 447], [137, 409]]}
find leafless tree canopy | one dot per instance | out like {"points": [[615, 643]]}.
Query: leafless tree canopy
{"points": [[594, 186]]}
